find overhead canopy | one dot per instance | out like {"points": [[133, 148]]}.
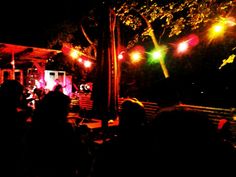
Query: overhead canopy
{"points": [[24, 54]]}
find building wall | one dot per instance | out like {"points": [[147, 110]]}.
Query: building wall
{"points": [[8, 74]]}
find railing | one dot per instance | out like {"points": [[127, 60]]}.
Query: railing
{"points": [[151, 109], [217, 113]]}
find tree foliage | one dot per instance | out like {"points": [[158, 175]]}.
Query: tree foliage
{"points": [[170, 17], [170, 20]]}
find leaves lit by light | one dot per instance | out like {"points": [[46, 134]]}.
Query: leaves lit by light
{"points": [[229, 21], [230, 59], [198, 13]]}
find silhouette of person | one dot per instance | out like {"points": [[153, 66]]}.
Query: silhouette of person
{"points": [[58, 88], [13, 127], [132, 116], [185, 143], [52, 142], [125, 154]]}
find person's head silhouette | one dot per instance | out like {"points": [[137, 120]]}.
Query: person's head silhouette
{"points": [[58, 88], [11, 92], [132, 115]]}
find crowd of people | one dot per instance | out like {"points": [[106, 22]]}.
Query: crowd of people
{"points": [[177, 142]]}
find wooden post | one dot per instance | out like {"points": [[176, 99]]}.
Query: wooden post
{"points": [[154, 40], [13, 65]]}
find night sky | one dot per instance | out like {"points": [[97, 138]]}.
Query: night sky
{"points": [[27, 23]]}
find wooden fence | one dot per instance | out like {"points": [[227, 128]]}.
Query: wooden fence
{"points": [[152, 108]]}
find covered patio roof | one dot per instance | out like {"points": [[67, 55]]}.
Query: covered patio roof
{"points": [[25, 54]]}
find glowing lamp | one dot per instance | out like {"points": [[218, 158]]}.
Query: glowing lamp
{"points": [[182, 47], [217, 30], [13, 62], [121, 55], [157, 54], [74, 54], [193, 40], [87, 64], [135, 57], [80, 60]]}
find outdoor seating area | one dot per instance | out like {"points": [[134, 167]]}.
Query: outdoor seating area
{"points": [[118, 88]]}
